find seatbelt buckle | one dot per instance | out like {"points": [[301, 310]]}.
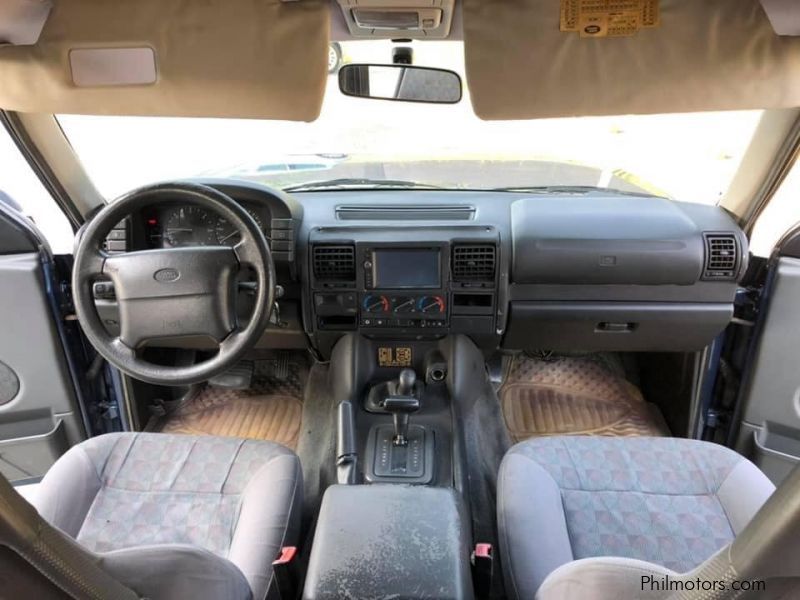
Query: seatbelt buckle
{"points": [[283, 570], [482, 569]]}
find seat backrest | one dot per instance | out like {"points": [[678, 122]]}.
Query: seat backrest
{"points": [[39, 561]]}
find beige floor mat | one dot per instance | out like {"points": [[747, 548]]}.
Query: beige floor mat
{"points": [[271, 410], [574, 396]]}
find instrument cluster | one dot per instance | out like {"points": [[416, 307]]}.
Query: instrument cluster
{"points": [[173, 226]]}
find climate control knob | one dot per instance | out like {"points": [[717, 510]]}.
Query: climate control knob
{"points": [[376, 304], [432, 305], [404, 304]]}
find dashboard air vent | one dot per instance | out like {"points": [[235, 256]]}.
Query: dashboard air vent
{"points": [[721, 256], [473, 263], [334, 263]]}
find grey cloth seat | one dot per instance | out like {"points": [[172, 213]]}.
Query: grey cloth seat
{"points": [[596, 505], [177, 516]]}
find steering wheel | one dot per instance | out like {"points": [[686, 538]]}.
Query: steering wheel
{"points": [[174, 292]]}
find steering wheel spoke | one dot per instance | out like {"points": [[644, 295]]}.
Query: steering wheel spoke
{"points": [[245, 253]]}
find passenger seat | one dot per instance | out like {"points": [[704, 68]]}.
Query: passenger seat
{"points": [[589, 517]]}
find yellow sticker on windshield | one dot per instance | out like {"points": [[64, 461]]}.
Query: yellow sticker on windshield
{"points": [[608, 18]]}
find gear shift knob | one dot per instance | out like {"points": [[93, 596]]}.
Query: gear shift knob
{"points": [[405, 382], [402, 404]]}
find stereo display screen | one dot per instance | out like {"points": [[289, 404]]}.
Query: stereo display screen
{"points": [[399, 268]]}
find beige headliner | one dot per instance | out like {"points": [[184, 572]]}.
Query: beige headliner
{"points": [[706, 55], [229, 58], [267, 59]]}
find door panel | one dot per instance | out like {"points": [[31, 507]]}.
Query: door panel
{"points": [[39, 414], [770, 428]]}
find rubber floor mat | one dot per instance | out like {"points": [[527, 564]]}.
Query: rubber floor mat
{"points": [[271, 409], [574, 396]]}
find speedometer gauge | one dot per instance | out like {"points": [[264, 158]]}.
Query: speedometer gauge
{"points": [[188, 226], [227, 234]]}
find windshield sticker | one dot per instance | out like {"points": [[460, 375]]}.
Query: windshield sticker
{"points": [[608, 18]]}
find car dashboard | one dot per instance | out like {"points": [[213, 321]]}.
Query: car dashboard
{"points": [[516, 271]]}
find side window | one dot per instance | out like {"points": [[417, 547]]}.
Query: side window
{"points": [[780, 215], [20, 186]]}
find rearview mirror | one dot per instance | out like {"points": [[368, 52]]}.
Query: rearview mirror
{"points": [[400, 82]]}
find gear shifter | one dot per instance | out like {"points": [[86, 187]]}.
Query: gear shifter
{"points": [[405, 382], [402, 404]]}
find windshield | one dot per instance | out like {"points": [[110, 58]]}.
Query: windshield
{"points": [[360, 143]]}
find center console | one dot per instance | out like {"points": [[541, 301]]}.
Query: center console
{"points": [[404, 287], [397, 523], [385, 305], [411, 285]]}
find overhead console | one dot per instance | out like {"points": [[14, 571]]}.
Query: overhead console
{"points": [[621, 273], [421, 19], [385, 283]]}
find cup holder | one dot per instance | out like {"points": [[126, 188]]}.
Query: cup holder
{"points": [[436, 373]]}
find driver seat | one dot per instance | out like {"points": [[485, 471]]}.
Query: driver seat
{"points": [[132, 515]]}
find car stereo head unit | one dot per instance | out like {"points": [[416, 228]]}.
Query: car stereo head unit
{"points": [[402, 268]]}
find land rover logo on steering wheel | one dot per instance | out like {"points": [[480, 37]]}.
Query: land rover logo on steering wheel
{"points": [[166, 275]]}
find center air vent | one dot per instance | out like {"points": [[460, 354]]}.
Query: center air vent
{"points": [[721, 256], [334, 263], [473, 263]]}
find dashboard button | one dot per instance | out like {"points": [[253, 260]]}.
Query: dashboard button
{"points": [[282, 234], [281, 245], [117, 246]]}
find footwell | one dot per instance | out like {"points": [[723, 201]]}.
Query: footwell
{"points": [[574, 395], [270, 409]]}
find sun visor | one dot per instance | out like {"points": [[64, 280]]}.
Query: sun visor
{"points": [[530, 59], [784, 16], [21, 21], [217, 58]]}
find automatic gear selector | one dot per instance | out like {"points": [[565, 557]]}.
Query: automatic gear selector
{"points": [[400, 451], [401, 404]]}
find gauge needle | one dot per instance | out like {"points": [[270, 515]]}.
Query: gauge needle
{"points": [[227, 237], [170, 229]]}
